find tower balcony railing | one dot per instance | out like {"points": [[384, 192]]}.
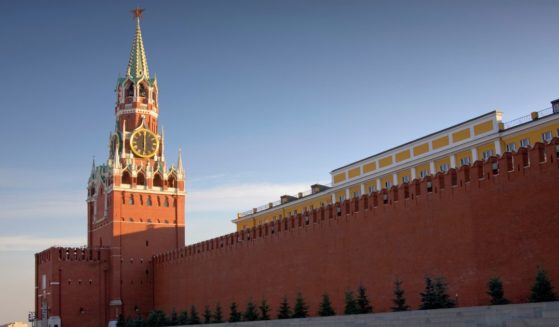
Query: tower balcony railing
{"points": [[528, 118]]}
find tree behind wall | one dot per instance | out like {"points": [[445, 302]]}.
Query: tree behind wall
{"points": [[156, 318], [542, 290], [183, 318], [350, 304], [174, 319], [325, 308], [264, 310], [194, 318], [207, 315], [234, 314], [301, 310], [399, 297], [284, 311], [218, 315], [250, 313], [496, 292], [435, 295], [363, 305], [120, 321]]}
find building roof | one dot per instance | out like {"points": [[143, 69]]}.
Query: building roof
{"points": [[492, 113]]}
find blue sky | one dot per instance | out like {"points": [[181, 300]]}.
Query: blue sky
{"points": [[264, 97]]}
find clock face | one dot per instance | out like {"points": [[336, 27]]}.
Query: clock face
{"points": [[144, 143]]}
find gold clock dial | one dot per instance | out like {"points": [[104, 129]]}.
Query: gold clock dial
{"points": [[144, 143]]}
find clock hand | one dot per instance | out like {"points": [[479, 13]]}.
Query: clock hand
{"points": [[145, 135]]}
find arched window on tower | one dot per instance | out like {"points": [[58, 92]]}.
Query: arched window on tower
{"points": [[157, 180], [148, 201], [143, 90], [166, 202], [131, 199], [141, 180], [172, 181], [130, 90], [126, 178]]}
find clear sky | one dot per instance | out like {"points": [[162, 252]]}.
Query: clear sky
{"points": [[264, 97]]}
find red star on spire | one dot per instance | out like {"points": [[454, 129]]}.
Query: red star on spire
{"points": [[138, 12]]}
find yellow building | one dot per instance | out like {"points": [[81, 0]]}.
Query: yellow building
{"points": [[476, 139]]}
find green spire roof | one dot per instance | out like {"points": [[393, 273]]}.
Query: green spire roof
{"points": [[137, 64]]}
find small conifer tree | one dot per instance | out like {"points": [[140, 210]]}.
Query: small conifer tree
{"points": [[218, 315], [284, 311], [399, 298], [194, 318], [435, 295], [156, 318], [251, 314], [300, 310], [350, 304], [234, 314], [442, 298], [428, 295], [173, 319], [496, 292], [325, 309], [207, 315], [363, 305], [264, 310], [120, 322], [542, 291], [183, 318]]}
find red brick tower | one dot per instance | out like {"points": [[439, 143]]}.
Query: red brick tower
{"points": [[135, 209], [135, 204]]}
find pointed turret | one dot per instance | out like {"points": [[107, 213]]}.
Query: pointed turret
{"points": [[137, 64], [123, 133], [180, 168], [163, 144], [93, 167], [116, 159]]}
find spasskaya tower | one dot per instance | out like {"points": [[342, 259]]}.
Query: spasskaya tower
{"points": [[135, 209]]}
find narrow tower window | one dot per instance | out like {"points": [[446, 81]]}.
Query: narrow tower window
{"points": [[130, 90], [126, 178], [148, 201], [172, 182], [141, 180], [142, 90], [131, 199], [157, 181]]}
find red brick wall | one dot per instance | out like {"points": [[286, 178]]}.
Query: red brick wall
{"points": [[75, 279], [487, 224]]}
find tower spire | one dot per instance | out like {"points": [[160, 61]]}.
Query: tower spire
{"points": [[180, 168], [137, 64]]}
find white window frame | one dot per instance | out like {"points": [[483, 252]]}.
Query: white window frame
{"points": [[405, 179], [524, 143], [424, 173], [547, 136], [487, 154], [511, 147], [465, 161], [444, 168]]}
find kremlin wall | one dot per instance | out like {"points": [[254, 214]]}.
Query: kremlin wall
{"points": [[453, 204], [496, 218]]}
